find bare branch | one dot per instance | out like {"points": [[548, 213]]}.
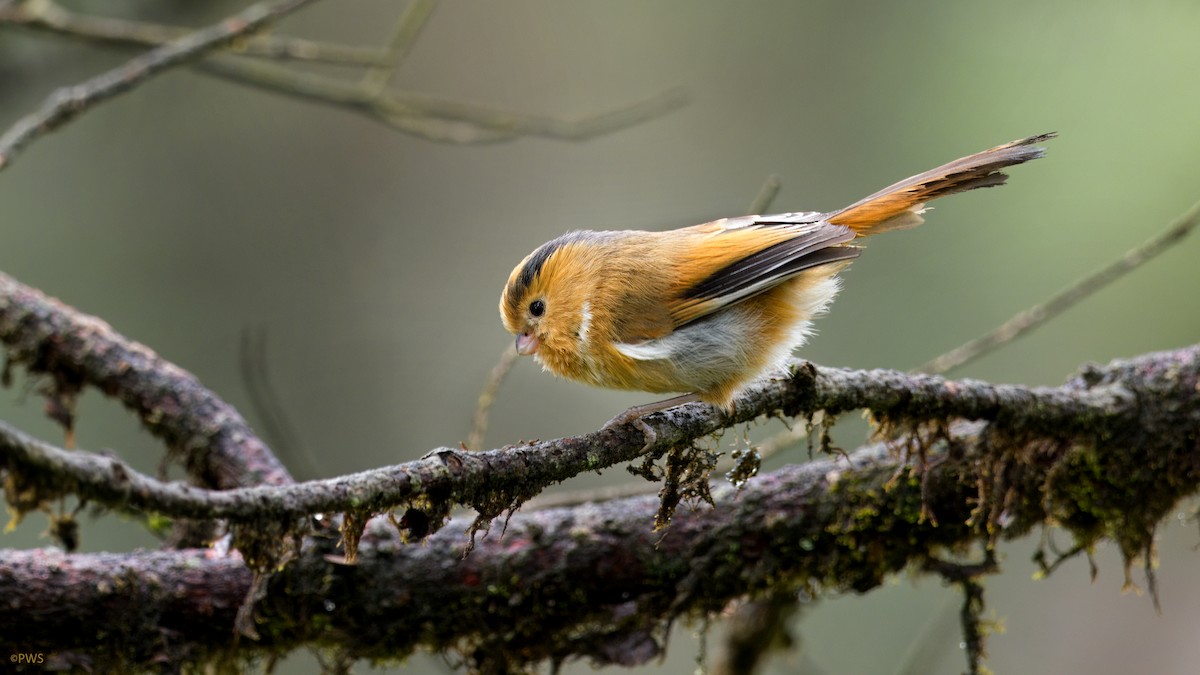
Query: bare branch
{"points": [[766, 194], [406, 32], [51, 17], [1037, 315], [67, 102], [487, 396], [47, 337], [265, 401], [425, 116], [756, 629], [434, 118]]}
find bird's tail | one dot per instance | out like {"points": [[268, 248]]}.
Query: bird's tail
{"points": [[899, 206]]}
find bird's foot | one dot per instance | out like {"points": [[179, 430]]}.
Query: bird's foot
{"points": [[635, 414]]}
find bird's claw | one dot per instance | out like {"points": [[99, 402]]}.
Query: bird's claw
{"points": [[633, 416]]}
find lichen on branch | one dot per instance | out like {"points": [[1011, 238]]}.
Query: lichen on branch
{"points": [[961, 465]]}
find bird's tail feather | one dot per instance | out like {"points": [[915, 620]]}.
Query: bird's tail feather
{"points": [[899, 206]]}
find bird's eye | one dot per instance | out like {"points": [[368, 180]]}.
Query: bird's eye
{"points": [[537, 308]]}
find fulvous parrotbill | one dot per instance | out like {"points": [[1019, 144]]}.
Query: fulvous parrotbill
{"points": [[710, 308]]}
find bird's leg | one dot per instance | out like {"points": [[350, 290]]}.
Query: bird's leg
{"points": [[635, 414]]}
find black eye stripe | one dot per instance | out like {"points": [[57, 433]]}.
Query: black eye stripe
{"points": [[536, 260], [533, 265]]}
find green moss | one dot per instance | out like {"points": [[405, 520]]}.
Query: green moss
{"points": [[1120, 494], [746, 465]]}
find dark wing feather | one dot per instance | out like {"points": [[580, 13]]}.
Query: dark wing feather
{"points": [[766, 268], [814, 245]]}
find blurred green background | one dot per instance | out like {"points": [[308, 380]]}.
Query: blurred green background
{"points": [[193, 209]]}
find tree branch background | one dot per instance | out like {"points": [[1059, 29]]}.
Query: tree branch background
{"points": [[193, 208]]}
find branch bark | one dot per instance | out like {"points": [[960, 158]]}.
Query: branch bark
{"points": [[73, 349], [1106, 456], [596, 582], [496, 480]]}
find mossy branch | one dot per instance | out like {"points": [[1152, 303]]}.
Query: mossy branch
{"points": [[72, 349], [1105, 456], [54, 339], [596, 582]]}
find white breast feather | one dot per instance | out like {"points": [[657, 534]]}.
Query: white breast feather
{"points": [[712, 348], [585, 322]]}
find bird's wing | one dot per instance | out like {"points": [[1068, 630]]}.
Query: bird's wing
{"points": [[738, 258]]}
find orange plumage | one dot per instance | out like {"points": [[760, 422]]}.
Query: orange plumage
{"points": [[710, 308]]}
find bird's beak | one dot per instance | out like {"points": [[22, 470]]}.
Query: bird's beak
{"points": [[527, 343]]}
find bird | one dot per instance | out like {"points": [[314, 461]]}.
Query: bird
{"points": [[707, 310]]}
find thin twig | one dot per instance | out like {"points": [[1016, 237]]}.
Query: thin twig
{"points": [[487, 397], [51, 17], [432, 117], [766, 194], [757, 630], [264, 399], [923, 653], [1037, 315], [421, 115], [975, 628], [67, 102], [405, 35]]}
